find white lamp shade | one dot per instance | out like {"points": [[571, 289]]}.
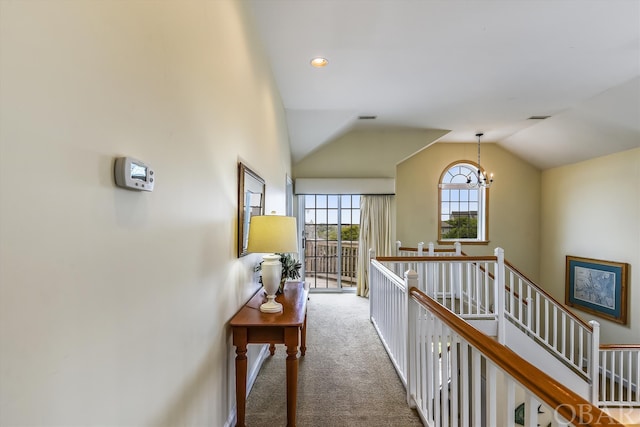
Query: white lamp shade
{"points": [[273, 234]]}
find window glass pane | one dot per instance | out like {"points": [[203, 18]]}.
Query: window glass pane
{"points": [[455, 195], [321, 216], [345, 216], [346, 201], [459, 179], [310, 216], [445, 210], [355, 217], [333, 201], [332, 216], [310, 201], [321, 201], [356, 201]]}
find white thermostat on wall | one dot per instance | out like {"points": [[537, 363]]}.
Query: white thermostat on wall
{"points": [[133, 174]]}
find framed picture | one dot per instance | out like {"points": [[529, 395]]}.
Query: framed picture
{"points": [[597, 287], [250, 203]]}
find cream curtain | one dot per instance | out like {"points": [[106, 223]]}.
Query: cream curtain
{"points": [[375, 233]]}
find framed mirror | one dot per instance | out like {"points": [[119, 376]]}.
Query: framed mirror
{"points": [[250, 202]]}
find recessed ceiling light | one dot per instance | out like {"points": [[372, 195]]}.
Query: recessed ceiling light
{"points": [[319, 62]]}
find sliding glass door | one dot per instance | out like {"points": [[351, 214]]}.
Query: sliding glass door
{"points": [[330, 240]]}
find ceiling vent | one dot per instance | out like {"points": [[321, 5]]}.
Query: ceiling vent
{"points": [[538, 117], [367, 117]]}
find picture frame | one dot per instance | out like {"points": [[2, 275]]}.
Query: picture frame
{"points": [[251, 189], [597, 287]]}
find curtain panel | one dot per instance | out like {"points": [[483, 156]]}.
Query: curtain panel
{"points": [[375, 233]]}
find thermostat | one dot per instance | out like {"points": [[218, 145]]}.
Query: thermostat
{"points": [[133, 174]]}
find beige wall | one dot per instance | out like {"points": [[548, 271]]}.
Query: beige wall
{"points": [[514, 199], [592, 209], [364, 154], [114, 304]]}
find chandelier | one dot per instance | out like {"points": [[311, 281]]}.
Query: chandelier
{"points": [[482, 178]]}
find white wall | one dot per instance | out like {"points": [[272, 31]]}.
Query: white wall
{"points": [[114, 304], [592, 209]]}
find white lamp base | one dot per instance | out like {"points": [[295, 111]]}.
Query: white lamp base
{"points": [[271, 306], [271, 273]]}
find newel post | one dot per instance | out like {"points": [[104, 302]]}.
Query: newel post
{"points": [[398, 244], [410, 281], [432, 250], [594, 363], [499, 294], [420, 248], [458, 248], [369, 291]]}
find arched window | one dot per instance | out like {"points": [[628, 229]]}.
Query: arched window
{"points": [[463, 206]]}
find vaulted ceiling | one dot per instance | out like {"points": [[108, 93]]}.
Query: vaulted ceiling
{"points": [[461, 66]]}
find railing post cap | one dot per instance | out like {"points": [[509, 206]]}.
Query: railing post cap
{"points": [[410, 274]]}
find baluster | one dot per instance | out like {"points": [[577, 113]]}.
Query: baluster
{"points": [[492, 395], [520, 300], [509, 411], [555, 328], [564, 334], [637, 354], [581, 333], [477, 387], [437, 341], [529, 308], [531, 410], [464, 384], [444, 374], [455, 378], [620, 357], [530, 303], [428, 363], [546, 322], [572, 346], [537, 312]]}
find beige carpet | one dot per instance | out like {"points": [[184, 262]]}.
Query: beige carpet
{"points": [[345, 379]]}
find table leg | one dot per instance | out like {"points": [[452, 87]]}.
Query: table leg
{"points": [[303, 337], [272, 349], [240, 341], [291, 341]]}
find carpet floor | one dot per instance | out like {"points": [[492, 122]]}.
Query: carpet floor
{"points": [[345, 380]]}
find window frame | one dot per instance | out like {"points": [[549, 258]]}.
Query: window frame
{"points": [[483, 206]]}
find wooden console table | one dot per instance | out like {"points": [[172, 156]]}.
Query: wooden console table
{"points": [[251, 326]]}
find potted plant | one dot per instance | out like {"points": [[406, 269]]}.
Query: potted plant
{"points": [[290, 269]]}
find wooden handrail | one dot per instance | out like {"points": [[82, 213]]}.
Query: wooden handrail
{"points": [[435, 258], [619, 346], [567, 403]]}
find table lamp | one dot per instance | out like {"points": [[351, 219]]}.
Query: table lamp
{"points": [[272, 234]]}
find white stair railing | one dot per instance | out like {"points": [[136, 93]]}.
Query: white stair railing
{"points": [[619, 375], [388, 313], [549, 323], [459, 377], [467, 286]]}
